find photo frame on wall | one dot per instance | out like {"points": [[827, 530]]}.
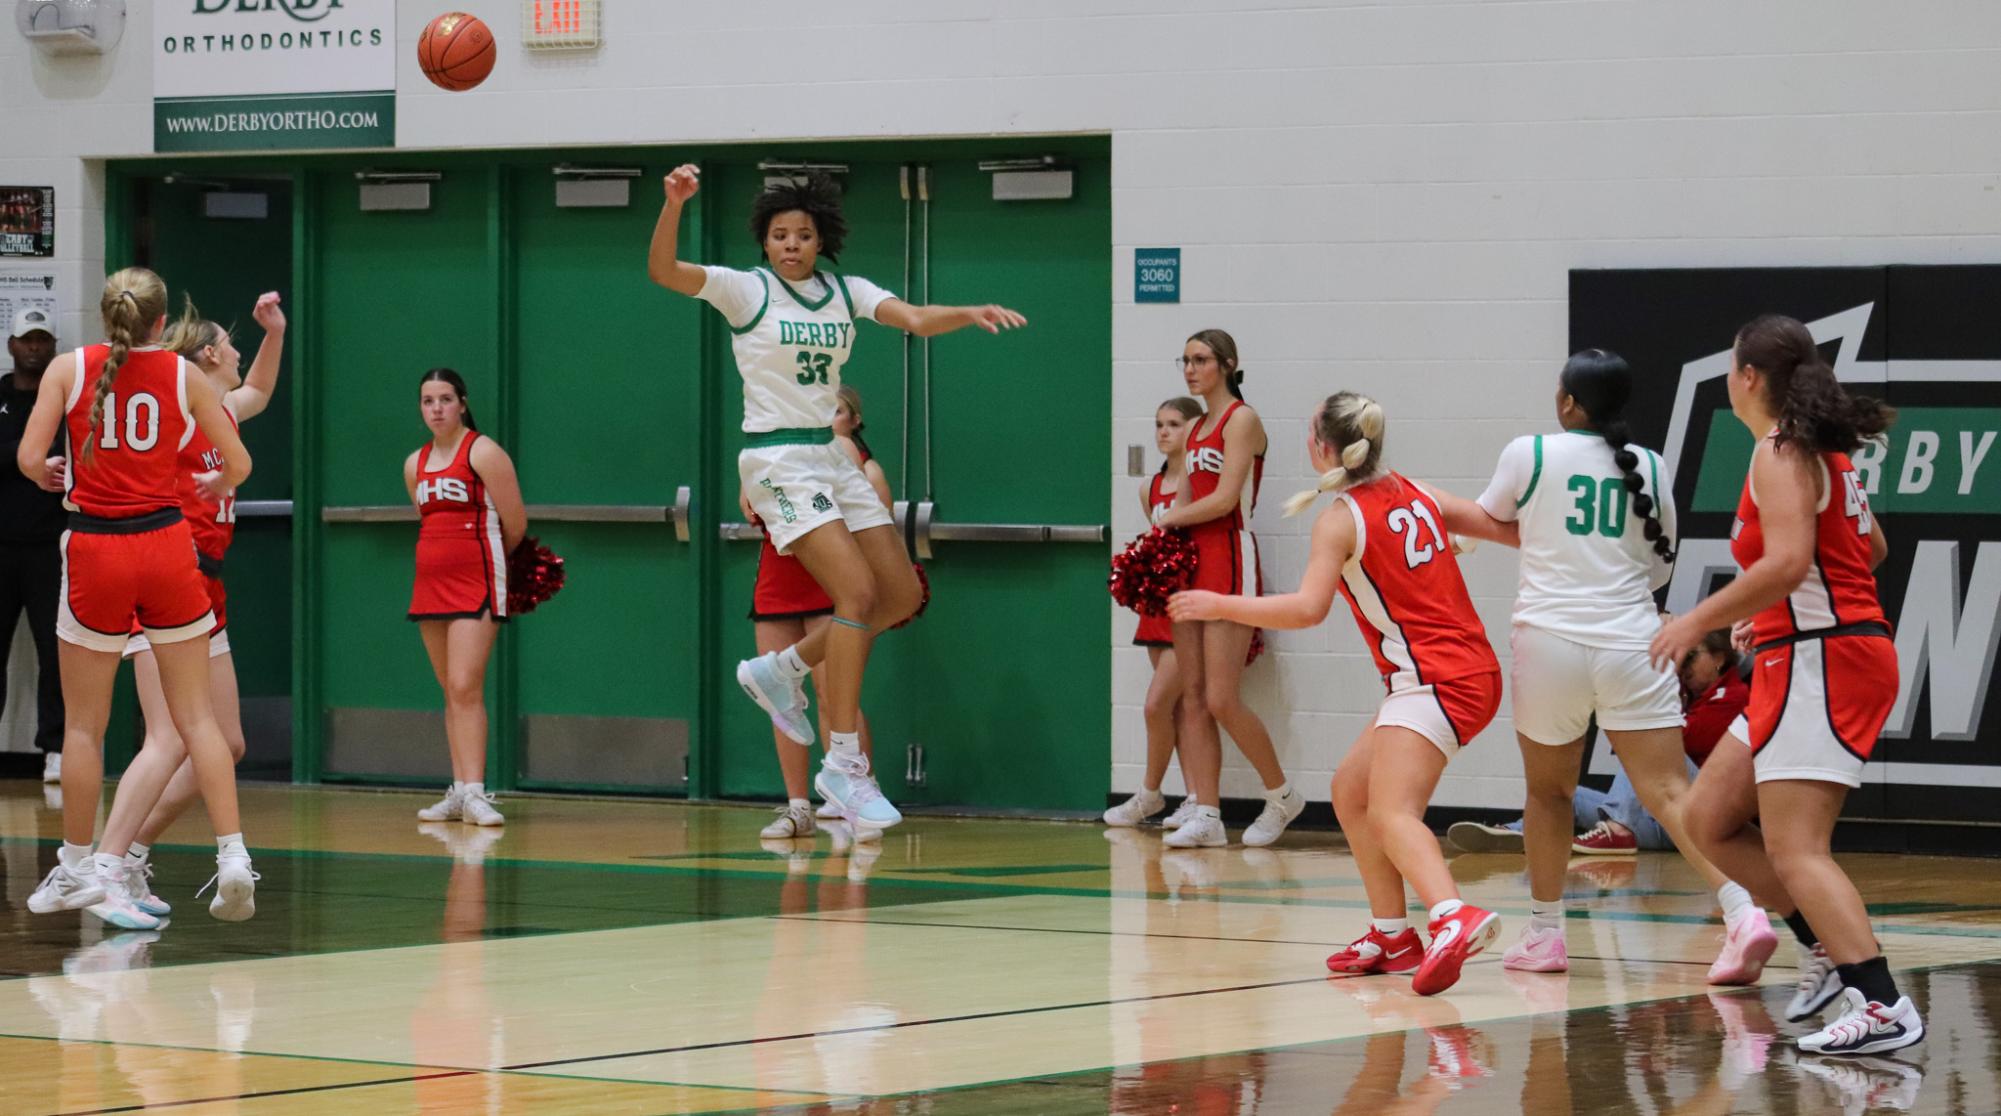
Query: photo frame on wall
{"points": [[27, 221]]}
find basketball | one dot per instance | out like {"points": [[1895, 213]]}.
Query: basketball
{"points": [[456, 51]]}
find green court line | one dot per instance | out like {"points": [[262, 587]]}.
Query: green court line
{"points": [[992, 890]]}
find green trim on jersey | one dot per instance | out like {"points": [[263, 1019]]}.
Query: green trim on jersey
{"points": [[1654, 463], [790, 436], [1534, 476], [845, 296], [759, 316], [801, 299]]}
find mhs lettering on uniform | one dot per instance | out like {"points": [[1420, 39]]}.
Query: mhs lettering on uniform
{"points": [[1207, 459], [443, 488]]}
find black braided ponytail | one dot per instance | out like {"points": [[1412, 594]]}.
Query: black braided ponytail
{"points": [[1600, 382]]}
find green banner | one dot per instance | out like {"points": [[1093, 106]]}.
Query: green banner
{"points": [[291, 121], [1939, 461]]}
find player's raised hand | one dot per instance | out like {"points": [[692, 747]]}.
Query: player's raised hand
{"points": [[267, 313], [993, 319], [682, 182]]}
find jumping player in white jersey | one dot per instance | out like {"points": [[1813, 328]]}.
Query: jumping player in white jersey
{"points": [[1594, 517], [793, 327]]}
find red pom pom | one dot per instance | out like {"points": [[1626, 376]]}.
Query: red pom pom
{"points": [[534, 574], [1154, 567], [923, 602]]}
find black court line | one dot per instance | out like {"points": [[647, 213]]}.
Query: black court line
{"points": [[274, 1093], [906, 1023]]}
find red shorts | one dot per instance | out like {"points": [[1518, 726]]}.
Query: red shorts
{"points": [[218, 638], [457, 579], [1154, 631], [1817, 707], [1227, 561], [112, 582], [1449, 713], [784, 590]]}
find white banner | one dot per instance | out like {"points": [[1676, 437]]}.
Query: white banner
{"points": [[231, 48]]}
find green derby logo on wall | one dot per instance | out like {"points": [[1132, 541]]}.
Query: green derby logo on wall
{"points": [[1920, 338], [232, 75]]}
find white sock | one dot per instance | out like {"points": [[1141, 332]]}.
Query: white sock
{"points": [[1737, 903], [473, 790], [136, 852], [791, 665], [1202, 811], [798, 804], [230, 844], [1546, 916], [1390, 927], [106, 864], [1283, 790], [74, 857], [845, 748], [1445, 909]]}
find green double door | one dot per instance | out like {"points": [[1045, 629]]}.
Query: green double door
{"points": [[620, 405], [571, 363]]}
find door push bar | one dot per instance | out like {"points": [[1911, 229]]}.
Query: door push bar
{"points": [[677, 513], [923, 529]]}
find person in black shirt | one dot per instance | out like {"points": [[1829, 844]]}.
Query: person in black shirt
{"points": [[31, 525]]}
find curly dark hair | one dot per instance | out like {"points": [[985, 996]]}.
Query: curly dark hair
{"points": [[817, 196], [1815, 412]]}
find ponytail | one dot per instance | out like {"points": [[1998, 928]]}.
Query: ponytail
{"points": [[1616, 436], [1814, 411], [1354, 423], [1600, 382], [133, 298]]}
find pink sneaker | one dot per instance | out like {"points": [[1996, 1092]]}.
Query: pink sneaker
{"points": [[1746, 947], [1538, 951]]}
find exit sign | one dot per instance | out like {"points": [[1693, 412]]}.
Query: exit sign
{"points": [[562, 24]]}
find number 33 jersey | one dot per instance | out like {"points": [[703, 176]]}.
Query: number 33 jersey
{"points": [[1404, 584], [1588, 573], [790, 341]]}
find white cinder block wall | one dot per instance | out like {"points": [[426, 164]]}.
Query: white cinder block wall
{"points": [[1378, 196]]}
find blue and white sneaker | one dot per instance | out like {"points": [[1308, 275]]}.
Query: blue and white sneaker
{"points": [[1866, 1027], [139, 886], [780, 697], [855, 791]]}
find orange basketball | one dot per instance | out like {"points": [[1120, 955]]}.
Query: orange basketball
{"points": [[456, 51]]}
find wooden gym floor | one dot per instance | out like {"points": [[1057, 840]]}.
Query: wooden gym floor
{"points": [[614, 957]]}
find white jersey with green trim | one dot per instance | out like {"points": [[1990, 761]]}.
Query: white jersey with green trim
{"points": [[790, 341], [1588, 573]]}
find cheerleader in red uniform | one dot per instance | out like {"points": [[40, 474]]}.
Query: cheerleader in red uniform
{"points": [[469, 500], [787, 605], [162, 779], [1226, 455], [129, 408], [1156, 633], [1383, 545], [1823, 685]]}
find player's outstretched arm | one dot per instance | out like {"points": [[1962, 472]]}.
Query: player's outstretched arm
{"points": [[249, 400], [930, 321], [663, 263], [1333, 543]]}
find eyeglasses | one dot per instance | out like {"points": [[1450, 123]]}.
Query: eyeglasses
{"points": [[1182, 364]]}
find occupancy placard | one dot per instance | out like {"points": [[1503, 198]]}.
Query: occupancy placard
{"points": [[237, 75]]}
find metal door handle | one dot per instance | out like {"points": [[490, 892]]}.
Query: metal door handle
{"points": [[683, 500], [263, 509], [551, 513], [928, 531]]}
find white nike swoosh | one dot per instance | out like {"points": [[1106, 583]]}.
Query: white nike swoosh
{"points": [[1446, 936], [1399, 953]]}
